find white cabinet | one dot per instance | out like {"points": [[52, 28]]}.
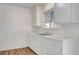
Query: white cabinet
{"points": [[71, 47], [45, 46], [75, 12], [36, 44], [51, 47], [66, 13], [62, 13]]}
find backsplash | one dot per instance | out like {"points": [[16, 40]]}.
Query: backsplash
{"points": [[69, 30], [57, 30]]}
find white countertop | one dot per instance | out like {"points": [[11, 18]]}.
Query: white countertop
{"points": [[57, 37]]}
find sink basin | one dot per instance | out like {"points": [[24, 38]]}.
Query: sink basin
{"points": [[45, 34]]}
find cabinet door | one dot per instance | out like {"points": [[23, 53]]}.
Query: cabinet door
{"points": [[55, 47], [52, 47], [75, 12], [36, 44], [45, 45], [62, 13]]}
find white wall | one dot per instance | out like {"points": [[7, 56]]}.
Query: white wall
{"points": [[16, 23], [1, 27], [16, 19]]}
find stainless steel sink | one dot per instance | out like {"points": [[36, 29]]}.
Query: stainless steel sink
{"points": [[45, 34]]}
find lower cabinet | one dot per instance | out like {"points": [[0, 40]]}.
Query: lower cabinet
{"points": [[71, 47], [45, 46], [36, 44], [51, 47]]}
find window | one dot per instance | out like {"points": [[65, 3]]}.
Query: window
{"points": [[49, 19]]}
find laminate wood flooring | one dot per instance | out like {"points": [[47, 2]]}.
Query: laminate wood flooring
{"points": [[19, 51]]}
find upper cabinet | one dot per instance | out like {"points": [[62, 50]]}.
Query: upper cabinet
{"points": [[75, 12], [57, 12], [62, 13], [66, 13]]}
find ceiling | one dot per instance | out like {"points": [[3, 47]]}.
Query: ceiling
{"points": [[25, 5]]}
